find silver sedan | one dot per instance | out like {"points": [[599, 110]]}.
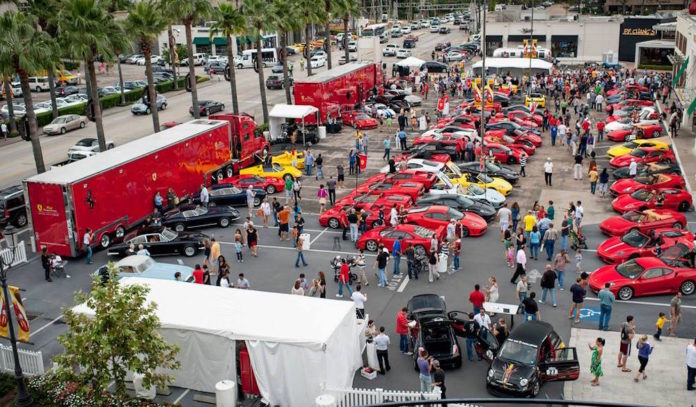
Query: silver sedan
{"points": [[65, 123]]}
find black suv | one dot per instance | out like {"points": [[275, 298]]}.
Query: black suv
{"points": [[12, 206]]}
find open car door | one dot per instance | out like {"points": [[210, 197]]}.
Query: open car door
{"points": [[676, 256], [561, 364], [458, 318], [487, 345]]}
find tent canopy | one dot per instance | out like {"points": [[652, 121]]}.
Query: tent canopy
{"points": [[411, 62], [280, 112], [514, 63]]}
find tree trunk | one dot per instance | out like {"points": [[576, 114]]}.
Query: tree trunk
{"points": [[233, 75], [120, 82], [308, 50], [345, 38], [262, 85], [327, 41], [172, 55], [31, 119], [151, 90], [52, 92], [192, 71], [284, 53], [94, 95], [10, 106]]}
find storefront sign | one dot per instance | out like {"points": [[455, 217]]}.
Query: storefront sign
{"points": [[632, 31], [639, 31]]}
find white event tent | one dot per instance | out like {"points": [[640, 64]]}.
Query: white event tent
{"points": [[281, 111]]}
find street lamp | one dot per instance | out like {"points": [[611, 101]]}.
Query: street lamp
{"points": [[23, 398]]}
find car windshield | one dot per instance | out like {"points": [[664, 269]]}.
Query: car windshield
{"points": [[639, 153], [464, 201], [474, 189], [85, 142], [454, 214], [169, 234], [59, 120], [630, 269], [642, 195], [630, 144], [633, 216], [635, 238], [362, 117], [422, 232], [493, 167], [519, 352], [484, 178], [454, 168]]}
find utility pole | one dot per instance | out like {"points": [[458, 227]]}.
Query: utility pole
{"points": [[483, 90], [531, 40]]}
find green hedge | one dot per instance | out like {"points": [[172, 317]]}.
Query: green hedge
{"points": [[655, 67]]}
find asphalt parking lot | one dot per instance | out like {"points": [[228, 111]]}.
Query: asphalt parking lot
{"points": [[482, 257]]}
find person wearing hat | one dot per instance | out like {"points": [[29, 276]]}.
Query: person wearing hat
{"points": [[438, 378], [250, 195], [548, 171]]}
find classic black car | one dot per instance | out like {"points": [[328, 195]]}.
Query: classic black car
{"points": [[163, 242], [233, 196], [435, 332], [493, 170], [649, 169], [532, 354], [183, 219], [458, 202]]}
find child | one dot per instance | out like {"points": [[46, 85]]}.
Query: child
{"points": [[510, 255], [457, 251], [578, 260], [661, 319], [238, 249]]}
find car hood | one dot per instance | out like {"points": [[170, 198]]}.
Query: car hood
{"points": [[484, 209], [621, 160], [626, 202], [617, 224], [606, 274], [511, 372], [53, 126], [625, 185], [614, 247]]}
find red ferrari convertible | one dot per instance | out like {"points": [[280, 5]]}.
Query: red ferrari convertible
{"points": [[643, 155], [428, 179], [433, 217], [521, 114], [499, 137], [639, 131], [415, 235], [382, 200], [412, 189], [629, 185], [270, 185], [642, 221], [676, 199], [334, 217], [619, 249]]}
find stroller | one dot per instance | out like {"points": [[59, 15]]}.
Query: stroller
{"points": [[421, 264], [577, 241], [58, 267], [352, 261]]}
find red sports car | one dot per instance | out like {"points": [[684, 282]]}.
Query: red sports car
{"points": [[655, 181], [443, 139], [619, 249], [412, 189], [270, 185], [631, 102], [428, 179], [639, 88], [677, 199], [521, 114], [643, 155], [415, 235], [644, 276], [530, 124], [433, 217], [463, 122], [498, 136], [334, 217], [642, 221], [382, 200], [521, 135], [639, 131], [359, 120], [503, 154]]}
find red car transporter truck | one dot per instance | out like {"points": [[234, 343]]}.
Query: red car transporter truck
{"points": [[338, 89], [113, 192]]}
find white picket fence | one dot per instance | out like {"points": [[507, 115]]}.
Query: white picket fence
{"points": [[30, 361], [365, 397], [19, 255]]}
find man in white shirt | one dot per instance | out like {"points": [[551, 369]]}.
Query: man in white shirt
{"points": [[394, 216], [382, 345], [359, 300], [632, 168], [562, 129], [505, 218], [521, 267], [483, 319], [204, 197], [599, 100], [579, 212], [242, 282], [548, 171], [691, 365]]}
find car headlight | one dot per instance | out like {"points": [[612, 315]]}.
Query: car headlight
{"points": [[524, 382], [491, 373]]}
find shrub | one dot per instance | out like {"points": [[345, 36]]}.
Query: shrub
{"points": [[7, 383]]}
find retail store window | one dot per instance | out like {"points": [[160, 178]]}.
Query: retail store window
{"points": [[564, 46]]}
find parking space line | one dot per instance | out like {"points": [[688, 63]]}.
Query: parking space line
{"points": [[311, 242], [645, 303], [178, 399], [402, 287], [45, 326]]}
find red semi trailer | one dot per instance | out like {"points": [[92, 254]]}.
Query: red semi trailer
{"points": [[339, 89], [113, 192]]}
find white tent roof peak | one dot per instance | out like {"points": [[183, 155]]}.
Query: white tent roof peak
{"points": [[411, 62], [292, 111]]}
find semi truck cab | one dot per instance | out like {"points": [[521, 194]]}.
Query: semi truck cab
{"points": [[247, 144]]}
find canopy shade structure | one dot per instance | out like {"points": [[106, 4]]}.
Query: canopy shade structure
{"points": [[296, 344], [411, 62], [513, 65], [201, 41], [280, 112]]}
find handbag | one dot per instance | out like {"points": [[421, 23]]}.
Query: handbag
{"points": [[259, 212]]}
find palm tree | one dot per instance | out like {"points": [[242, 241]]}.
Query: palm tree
{"points": [[188, 12], [172, 54], [145, 23], [285, 19], [86, 29], [327, 32], [310, 15], [26, 50], [346, 9], [229, 22], [258, 20]]}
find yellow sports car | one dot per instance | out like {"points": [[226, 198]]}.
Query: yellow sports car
{"points": [[537, 98], [272, 171], [285, 159], [484, 181], [629, 146]]}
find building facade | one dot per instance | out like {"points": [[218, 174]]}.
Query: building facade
{"points": [[202, 42], [685, 49]]}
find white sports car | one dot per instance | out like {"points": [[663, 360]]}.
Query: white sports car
{"points": [[473, 192], [626, 124]]}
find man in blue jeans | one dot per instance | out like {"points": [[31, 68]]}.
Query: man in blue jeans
{"points": [[606, 301], [87, 244], [471, 328], [396, 253]]}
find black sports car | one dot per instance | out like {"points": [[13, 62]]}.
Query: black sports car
{"points": [[435, 333], [163, 242], [206, 107], [493, 170], [532, 354], [183, 219], [458, 202], [426, 151], [510, 128], [233, 196], [649, 169]]}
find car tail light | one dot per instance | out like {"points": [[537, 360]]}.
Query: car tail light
{"points": [[455, 350], [7, 213]]}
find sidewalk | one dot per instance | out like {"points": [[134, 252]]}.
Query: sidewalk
{"points": [[666, 383], [685, 146]]}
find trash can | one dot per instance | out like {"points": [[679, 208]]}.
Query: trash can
{"points": [[226, 393], [140, 391], [322, 132], [371, 351], [325, 400], [442, 264], [305, 240]]}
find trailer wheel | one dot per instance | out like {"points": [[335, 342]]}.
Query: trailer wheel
{"points": [[105, 240], [229, 171], [120, 232]]}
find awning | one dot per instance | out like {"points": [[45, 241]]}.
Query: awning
{"points": [[520, 38], [220, 41], [201, 41]]}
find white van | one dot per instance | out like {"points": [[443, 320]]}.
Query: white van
{"points": [[198, 59], [269, 56], [38, 83]]}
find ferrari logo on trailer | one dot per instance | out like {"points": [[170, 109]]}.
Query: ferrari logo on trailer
{"points": [[154, 176]]}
